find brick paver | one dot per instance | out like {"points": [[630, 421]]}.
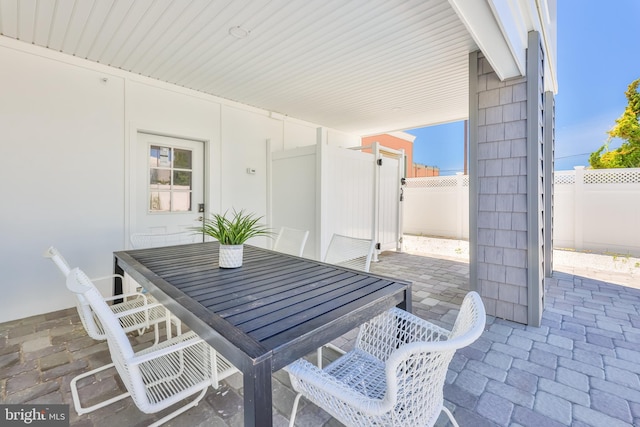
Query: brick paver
{"points": [[580, 368]]}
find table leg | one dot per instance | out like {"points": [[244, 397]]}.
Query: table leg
{"points": [[407, 303], [117, 281], [258, 395]]}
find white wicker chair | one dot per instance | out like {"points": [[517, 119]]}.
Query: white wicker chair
{"points": [[350, 252], [149, 240], [156, 377], [137, 312], [395, 374], [291, 241]]}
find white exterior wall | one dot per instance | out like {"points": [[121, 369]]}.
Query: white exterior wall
{"points": [[67, 137], [61, 132]]}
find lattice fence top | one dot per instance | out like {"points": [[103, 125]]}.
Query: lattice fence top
{"points": [[437, 181], [612, 176], [564, 178], [599, 176]]}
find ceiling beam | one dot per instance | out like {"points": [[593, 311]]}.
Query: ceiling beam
{"points": [[488, 33]]}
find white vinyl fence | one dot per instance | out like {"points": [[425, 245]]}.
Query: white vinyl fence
{"points": [[596, 210], [437, 206], [326, 190]]}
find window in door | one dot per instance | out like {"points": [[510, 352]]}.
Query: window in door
{"points": [[170, 179]]}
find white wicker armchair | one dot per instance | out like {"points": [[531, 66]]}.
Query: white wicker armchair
{"points": [[291, 241], [395, 375], [159, 376]]}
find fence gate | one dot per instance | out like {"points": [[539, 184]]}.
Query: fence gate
{"points": [[387, 193]]}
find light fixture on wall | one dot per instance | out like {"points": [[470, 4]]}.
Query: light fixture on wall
{"points": [[239, 32]]}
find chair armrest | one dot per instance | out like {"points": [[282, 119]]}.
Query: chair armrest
{"points": [[125, 296], [109, 276], [143, 308], [313, 381], [165, 348]]}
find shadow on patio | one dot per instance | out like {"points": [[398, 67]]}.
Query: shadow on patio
{"points": [[580, 368]]}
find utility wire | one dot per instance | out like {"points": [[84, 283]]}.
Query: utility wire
{"points": [[573, 155]]}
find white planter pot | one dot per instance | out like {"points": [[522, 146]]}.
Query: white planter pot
{"points": [[230, 256]]}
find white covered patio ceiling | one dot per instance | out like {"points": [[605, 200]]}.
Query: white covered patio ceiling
{"points": [[359, 66]]}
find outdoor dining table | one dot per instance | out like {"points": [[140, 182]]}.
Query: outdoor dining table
{"points": [[264, 315]]}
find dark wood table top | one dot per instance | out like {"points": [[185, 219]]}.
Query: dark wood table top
{"points": [[275, 306]]}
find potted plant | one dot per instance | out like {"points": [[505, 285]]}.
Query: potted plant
{"points": [[232, 233]]}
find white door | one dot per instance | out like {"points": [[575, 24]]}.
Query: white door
{"points": [[389, 202], [169, 184]]}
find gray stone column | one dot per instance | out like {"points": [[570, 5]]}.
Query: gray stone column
{"points": [[506, 188]]}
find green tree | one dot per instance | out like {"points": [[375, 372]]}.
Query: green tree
{"points": [[627, 127]]}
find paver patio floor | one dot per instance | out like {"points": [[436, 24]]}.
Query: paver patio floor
{"points": [[580, 368]]}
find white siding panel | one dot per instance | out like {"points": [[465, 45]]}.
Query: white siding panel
{"points": [[9, 17], [77, 25], [127, 26], [347, 65], [109, 30], [166, 45], [27, 18], [100, 12], [64, 12], [44, 16]]}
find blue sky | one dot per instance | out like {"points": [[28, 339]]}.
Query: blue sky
{"points": [[598, 56]]}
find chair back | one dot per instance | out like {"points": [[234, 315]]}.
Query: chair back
{"points": [[150, 240], [291, 241], [90, 323], [54, 255], [350, 252], [416, 371], [119, 345], [470, 322]]}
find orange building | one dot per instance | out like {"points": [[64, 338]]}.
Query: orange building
{"points": [[403, 141], [424, 170]]}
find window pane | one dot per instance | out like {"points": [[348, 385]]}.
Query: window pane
{"points": [[181, 180], [164, 161], [182, 159], [160, 179], [181, 201], [160, 201], [154, 155]]}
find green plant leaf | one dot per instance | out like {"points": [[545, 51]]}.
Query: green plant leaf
{"points": [[234, 231]]}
